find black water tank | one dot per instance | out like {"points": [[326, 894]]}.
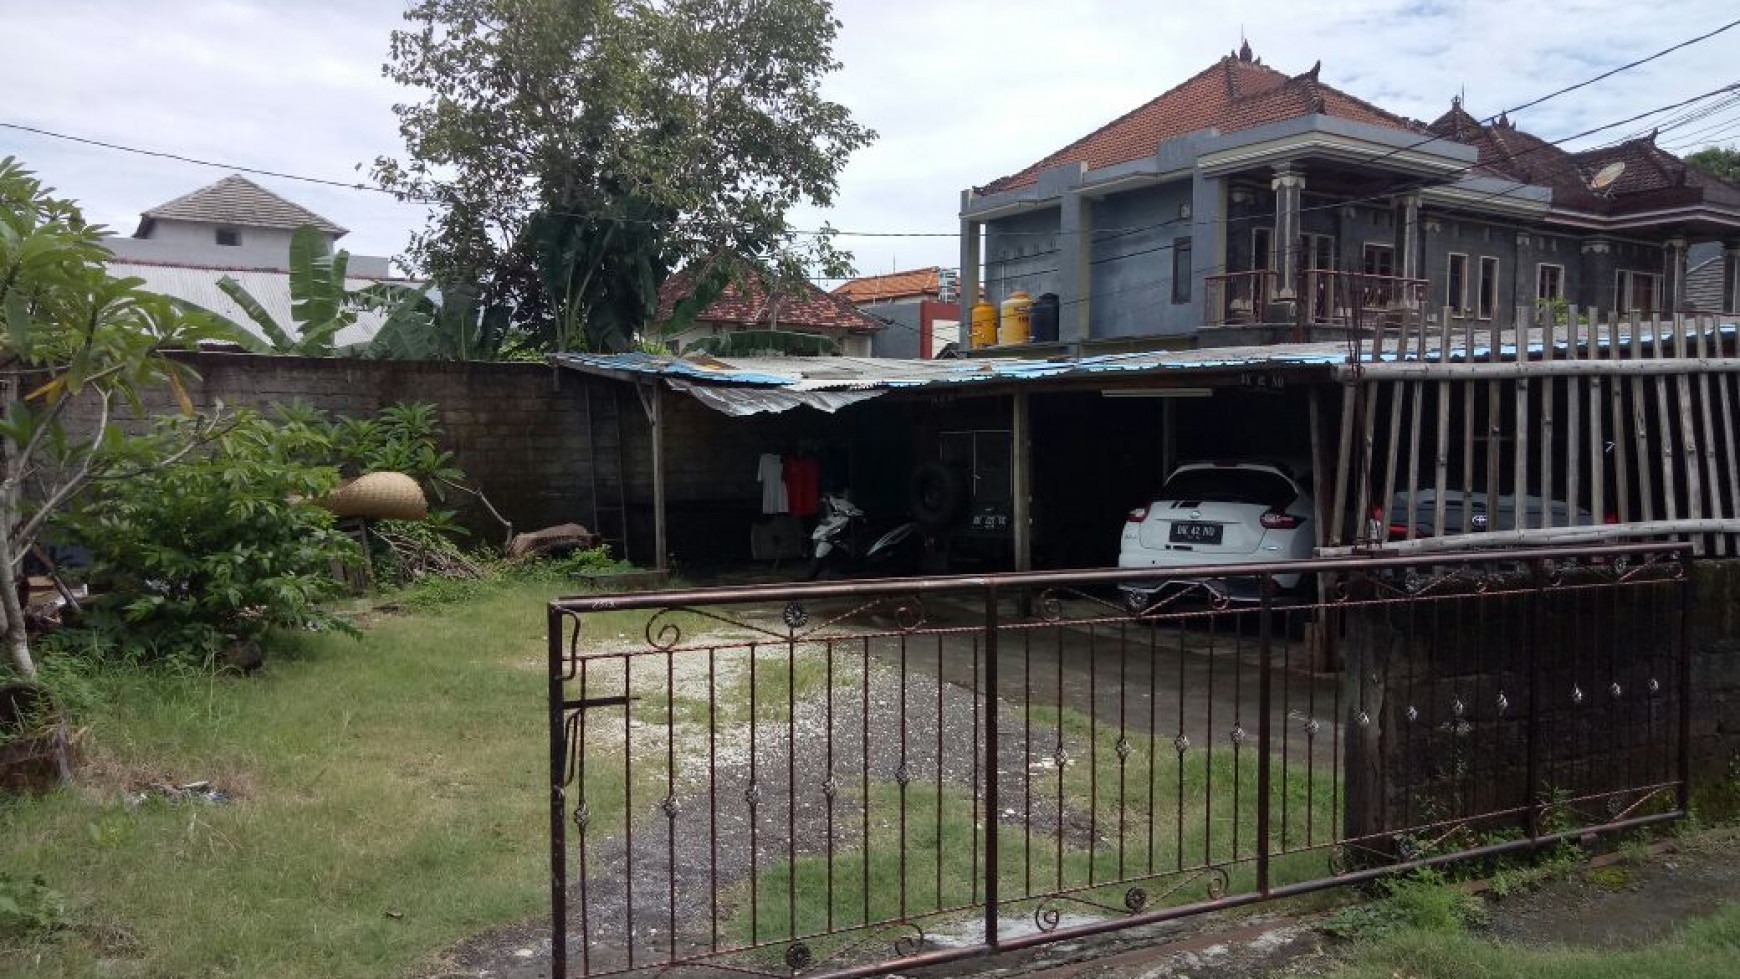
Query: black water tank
{"points": [[1044, 318]]}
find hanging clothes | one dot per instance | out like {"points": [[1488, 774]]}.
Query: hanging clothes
{"points": [[803, 481], [770, 471]]}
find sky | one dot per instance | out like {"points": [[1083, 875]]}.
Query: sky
{"points": [[960, 91]]}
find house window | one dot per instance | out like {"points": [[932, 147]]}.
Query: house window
{"points": [[229, 236], [1262, 249], [1637, 291], [1380, 260], [1319, 252], [1456, 284], [1488, 287], [1549, 282], [1181, 270]]}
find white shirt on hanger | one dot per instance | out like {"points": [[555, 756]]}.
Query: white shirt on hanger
{"points": [[771, 473]]}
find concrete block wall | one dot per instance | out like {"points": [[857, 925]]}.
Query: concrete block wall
{"points": [[517, 430]]}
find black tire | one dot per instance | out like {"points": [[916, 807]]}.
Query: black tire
{"points": [[939, 494]]}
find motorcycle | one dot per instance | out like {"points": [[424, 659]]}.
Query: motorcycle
{"points": [[835, 541]]}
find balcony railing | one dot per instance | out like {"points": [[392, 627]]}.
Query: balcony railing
{"points": [[1328, 298]]}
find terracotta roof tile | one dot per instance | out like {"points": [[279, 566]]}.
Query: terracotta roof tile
{"points": [[1235, 93], [239, 201], [895, 285], [813, 309]]}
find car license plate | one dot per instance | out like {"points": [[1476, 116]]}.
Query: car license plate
{"points": [[1196, 533]]}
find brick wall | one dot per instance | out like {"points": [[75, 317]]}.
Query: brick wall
{"points": [[517, 430]]}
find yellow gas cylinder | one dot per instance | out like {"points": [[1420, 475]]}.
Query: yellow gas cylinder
{"points": [[1017, 321], [984, 324]]}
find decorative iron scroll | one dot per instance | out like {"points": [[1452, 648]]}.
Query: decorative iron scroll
{"points": [[664, 633], [1048, 914]]}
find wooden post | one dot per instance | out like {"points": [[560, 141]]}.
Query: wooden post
{"points": [[656, 418], [1549, 389], [1597, 441], [1640, 424], [1573, 421], [1417, 395], [1344, 463], [1724, 411], [1021, 425], [1494, 427], [1467, 428], [1441, 444]]}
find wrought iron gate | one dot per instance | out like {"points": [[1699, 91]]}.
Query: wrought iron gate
{"points": [[847, 778]]}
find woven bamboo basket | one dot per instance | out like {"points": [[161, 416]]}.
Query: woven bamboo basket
{"points": [[379, 496]]}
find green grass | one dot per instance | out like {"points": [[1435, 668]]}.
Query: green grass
{"points": [[390, 801], [1705, 948]]}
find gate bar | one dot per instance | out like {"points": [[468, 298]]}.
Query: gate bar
{"points": [[992, 813]]}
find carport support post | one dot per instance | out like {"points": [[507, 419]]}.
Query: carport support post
{"points": [[1022, 425], [652, 400]]}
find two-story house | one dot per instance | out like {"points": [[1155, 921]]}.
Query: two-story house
{"points": [[1247, 203]]}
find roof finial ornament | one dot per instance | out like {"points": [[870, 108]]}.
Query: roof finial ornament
{"points": [[1504, 120], [1312, 74], [1244, 48], [1653, 133]]}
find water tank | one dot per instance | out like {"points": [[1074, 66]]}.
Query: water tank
{"points": [[1044, 318], [1015, 325], [984, 324]]}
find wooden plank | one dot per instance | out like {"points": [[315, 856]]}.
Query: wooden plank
{"points": [[1398, 404], [1368, 401], [1467, 428], [1344, 462], [1621, 454], [1688, 433], [1519, 478], [1441, 443], [1725, 412], [1549, 388], [1640, 423], [1416, 396], [1494, 426]]}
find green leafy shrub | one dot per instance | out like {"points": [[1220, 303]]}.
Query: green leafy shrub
{"points": [[1422, 901], [225, 545], [569, 566]]}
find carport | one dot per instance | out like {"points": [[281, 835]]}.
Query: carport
{"points": [[1087, 438]]}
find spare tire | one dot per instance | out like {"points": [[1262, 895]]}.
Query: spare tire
{"points": [[939, 494]]}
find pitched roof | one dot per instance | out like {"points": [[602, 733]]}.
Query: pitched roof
{"points": [[236, 200], [1237, 92], [749, 305], [894, 285]]}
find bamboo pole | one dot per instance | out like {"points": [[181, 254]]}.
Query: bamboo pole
{"points": [[1494, 427], [1691, 366], [1556, 535], [1573, 425], [1597, 439], [1725, 411], [1707, 435], [1688, 434], [1417, 396], [1519, 477], [1441, 444], [1343, 461], [1640, 421], [1549, 388], [1467, 428], [1616, 402], [1669, 498]]}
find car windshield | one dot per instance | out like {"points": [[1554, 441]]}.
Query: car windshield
{"points": [[1229, 485]]}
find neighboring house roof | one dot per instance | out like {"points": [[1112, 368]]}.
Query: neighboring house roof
{"points": [[199, 285], [236, 200], [910, 284], [1237, 92], [809, 308], [1704, 286]]}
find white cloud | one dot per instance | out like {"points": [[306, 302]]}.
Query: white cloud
{"points": [[961, 92]]}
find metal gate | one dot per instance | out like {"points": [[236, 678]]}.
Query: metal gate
{"points": [[848, 778]]}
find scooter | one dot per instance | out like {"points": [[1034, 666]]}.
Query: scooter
{"points": [[835, 541]]}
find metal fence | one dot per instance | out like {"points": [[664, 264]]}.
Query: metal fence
{"points": [[848, 778]]}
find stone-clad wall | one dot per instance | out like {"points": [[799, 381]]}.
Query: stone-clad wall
{"points": [[517, 430]]}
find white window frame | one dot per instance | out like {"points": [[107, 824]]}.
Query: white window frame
{"points": [[1487, 261], [1539, 267], [1624, 291], [1458, 304], [1365, 248]]}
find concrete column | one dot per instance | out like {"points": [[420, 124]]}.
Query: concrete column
{"points": [[1074, 260], [1408, 244], [1675, 254], [1289, 187], [970, 261]]}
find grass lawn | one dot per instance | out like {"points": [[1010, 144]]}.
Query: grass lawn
{"points": [[390, 802]]}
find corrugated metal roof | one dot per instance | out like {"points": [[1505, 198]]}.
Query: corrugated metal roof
{"points": [[272, 289], [879, 374]]}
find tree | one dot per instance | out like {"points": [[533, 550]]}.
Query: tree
{"points": [[70, 331], [575, 151], [1722, 161]]}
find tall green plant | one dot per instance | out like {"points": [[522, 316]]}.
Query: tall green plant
{"points": [[70, 332]]}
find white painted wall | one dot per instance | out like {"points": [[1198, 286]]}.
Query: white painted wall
{"points": [[195, 243]]}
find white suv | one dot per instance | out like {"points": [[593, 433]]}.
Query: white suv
{"points": [[1220, 513]]}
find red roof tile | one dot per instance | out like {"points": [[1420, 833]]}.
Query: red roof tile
{"points": [[1235, 93], [810, 308], [895, 285]]}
